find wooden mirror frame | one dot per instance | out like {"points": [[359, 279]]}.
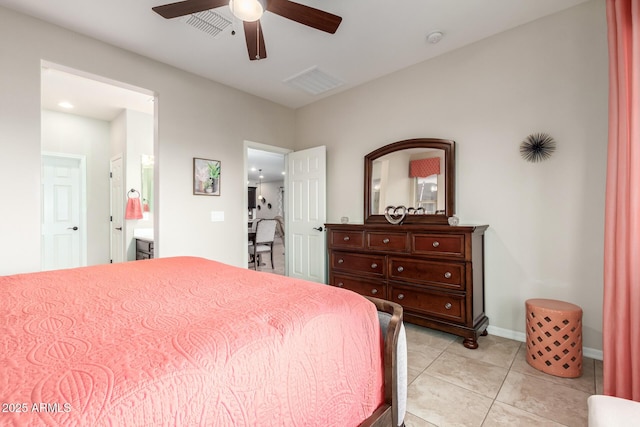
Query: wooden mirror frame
{"points": [[448, 146]]}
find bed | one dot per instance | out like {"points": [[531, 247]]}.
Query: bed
{"points": [[189, 341]]}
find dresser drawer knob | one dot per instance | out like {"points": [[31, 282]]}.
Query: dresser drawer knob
{"points": [[346, 238], [447, 275], [340, 261], [374, 291], [385, 241], [374, 265], [436, 244], [448, 306], [400, 296], [400, 269], [340, 285]]}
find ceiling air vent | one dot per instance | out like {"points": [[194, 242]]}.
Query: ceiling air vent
{"points": [[208, 21], [313, 81]]}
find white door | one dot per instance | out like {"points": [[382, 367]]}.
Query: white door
{"points": [[306, 214], [63, 212], [117, 209]]}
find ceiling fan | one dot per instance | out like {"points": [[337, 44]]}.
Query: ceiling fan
{"points": [[250, 11]]}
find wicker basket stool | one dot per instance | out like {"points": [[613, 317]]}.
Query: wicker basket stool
{"points": [[554, 337]]}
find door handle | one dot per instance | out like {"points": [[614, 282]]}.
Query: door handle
{"points": [[72, 228], [119, 228], [318, 228]]}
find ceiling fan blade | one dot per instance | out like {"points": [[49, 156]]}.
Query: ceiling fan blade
{"points": [[315, 18], [187, 7], [255, 40]]}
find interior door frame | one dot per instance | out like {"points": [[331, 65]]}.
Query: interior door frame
{"points": [[156, 146], [82, 162], [123, 252], [245, 200]]}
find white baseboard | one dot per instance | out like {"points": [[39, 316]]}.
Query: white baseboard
{"points": [[521, 336]]}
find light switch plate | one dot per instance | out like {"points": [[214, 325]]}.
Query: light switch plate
{"points": [[217, 216]]}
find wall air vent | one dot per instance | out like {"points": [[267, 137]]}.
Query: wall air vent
{"points": [[313, 81], [208, 21]]}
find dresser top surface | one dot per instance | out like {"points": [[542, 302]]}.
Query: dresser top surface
{"points": [[435, 228]]}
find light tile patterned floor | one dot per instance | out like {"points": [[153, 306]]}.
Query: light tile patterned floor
{"points": [[450, 385], [278, 259]]}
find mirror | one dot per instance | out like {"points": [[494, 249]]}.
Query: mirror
{"points": [[415, 173], [146, 166]]}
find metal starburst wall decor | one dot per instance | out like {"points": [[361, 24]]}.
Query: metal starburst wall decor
{"points": [[537, 147]]}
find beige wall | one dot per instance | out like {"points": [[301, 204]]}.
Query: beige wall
{"points": [[546, 220], [197, 118]]}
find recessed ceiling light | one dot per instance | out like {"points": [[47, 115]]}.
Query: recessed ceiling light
{"points": [[65, 104], [435, 36], [284, 173]]}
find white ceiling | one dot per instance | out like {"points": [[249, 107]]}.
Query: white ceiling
{"points": [[272, 165], [98, 99], [374, 39]]}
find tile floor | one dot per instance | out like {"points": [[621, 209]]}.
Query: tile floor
{"points": [[450, 385], [278, 259]]}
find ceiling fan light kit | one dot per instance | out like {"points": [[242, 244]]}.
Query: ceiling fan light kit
{"points": [[246, 10], [250, 11]]}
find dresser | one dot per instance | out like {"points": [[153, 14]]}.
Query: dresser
{"points": [[144, 249], [436, 272]]}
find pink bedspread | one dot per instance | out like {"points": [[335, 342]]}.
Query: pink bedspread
{"points": [[184, 341]]}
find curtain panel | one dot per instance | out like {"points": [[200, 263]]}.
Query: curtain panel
{"points": [[621, 310], [424, 167]]}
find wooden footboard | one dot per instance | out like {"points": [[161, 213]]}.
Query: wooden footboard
{"points": [[387, 413]]}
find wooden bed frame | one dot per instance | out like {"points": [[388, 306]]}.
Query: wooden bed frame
{"points": [[388, 411]]}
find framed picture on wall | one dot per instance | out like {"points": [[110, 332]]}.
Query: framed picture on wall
{"points": [[206, 177]]}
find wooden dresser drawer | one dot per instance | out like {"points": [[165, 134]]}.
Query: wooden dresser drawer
{"points": [[451, 245], [346, 239], [434, 271], [433, 303], [143, 255], [447, 275], [363, 287], [383, 241], [144, 245], [373, 265]]}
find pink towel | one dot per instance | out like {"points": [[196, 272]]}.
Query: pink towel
{"points": [[134, 209]]}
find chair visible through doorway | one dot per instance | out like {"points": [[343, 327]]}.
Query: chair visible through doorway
{"points": [[265, 235]]}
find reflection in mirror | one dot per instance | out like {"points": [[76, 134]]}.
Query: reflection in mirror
{"points": [[415, 173], [146, 166], [409, 178]]}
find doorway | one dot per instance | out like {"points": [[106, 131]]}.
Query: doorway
{"points": [[265, 172], [87, 115], [303, 206]]}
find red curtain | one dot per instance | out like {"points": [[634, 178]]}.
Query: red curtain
{"points": [[621, 322], [423, 168]]}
